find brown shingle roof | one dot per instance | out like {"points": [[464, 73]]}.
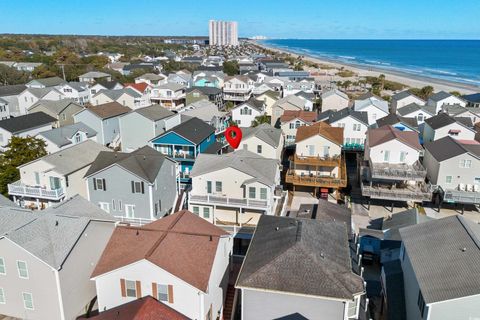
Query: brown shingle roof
{"points": [[307, 116], [386, 133], [333, 134], [183, 244], [109, 110]]}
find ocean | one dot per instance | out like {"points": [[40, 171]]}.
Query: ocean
{"points": [[451, 60]]}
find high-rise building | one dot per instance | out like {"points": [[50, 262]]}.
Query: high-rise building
{"points": [[223, 33]]}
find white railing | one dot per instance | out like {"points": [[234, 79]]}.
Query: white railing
{"points": [[19, 189], [133, 221], [460, 196], [233, 229], [231, 202]]}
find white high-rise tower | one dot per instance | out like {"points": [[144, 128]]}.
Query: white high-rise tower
{"points": [[223, 33]]}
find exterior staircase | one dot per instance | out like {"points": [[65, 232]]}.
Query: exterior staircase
{"points": [[229, 302]]}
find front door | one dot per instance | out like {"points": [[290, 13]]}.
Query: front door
{"points": [[54, 183]]}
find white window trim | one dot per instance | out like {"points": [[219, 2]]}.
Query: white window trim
{"points": [[3, 295], [126, 210], [26, 268], [107, 205], [4, 267], [158, 292], [126, 289], [23, 298]]}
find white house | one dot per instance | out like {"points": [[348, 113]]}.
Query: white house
{"points": [[291, 102], [30, 96], [291, 87], [334, 100], [375, 107], [181, 260], [152, 79], [237, 89], [404, 98], [417, 111], [269, 98], [291, 120], [77, 91], [27, 125], [51, 82], [443, 125], [67, 136], [244, 114], [439, 99], [170, 95], [94, 76], [263, 140], [354, 124], [104, 85], [127, 97]]}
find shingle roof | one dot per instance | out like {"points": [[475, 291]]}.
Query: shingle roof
{"points": [[403, 95], [94, 75], [475, 97], [182, 244], [55, 107], [264, 132], [361, 116], [445, 257], [145, 308], [41, 92], [447, 147], [409, 108], [206, 90], [171, 86], [108, 110], [108, 84], [253, 103], [154, 112], [26, 122], [204, 110], [144, 162], [12, 90], [383, 134], [335, 92], [140, 87], [439, 96], [5, 202], [61, 136], [307, 116], [300, 256], [440, 120], [393, 119], [151, 76], [379, 104], [261, 169], [49, 82], [194, 130], [323, 129]]}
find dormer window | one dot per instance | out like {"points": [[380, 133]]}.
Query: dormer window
{"points": [[454, 132]]}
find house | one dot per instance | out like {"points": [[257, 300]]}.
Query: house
{"points": [[234, 188], [9, 95], [94, 76], [244, 114], [294, 87], [269, 98], [283, 251], [127, 97], [136, 187], [309, 99], [260, 88], [184, 79], [211, 94], [402, 99], [77, 91], [30, 96], [45, 83], [293, 75], [104, 119], [473, 100], [375, 107], [291, 120], [391, 169], [208, 78], [429, 294], [104, 85], [27, 125], [291, 102], [54, 177], [153, 66], [457, 111], [334, 100], [62, 110], [439, 99], [208, 112], [184, 142], [417, 111], [354, 124], [443, 125], [318, 163], [237, 89], [27, 66], [144, 89], [170, 95], [263, 140], [61, 138], [139, 309], [181, 260], [139, 126], [454, 166], [48, 278], [398, 122], [152, 79]]}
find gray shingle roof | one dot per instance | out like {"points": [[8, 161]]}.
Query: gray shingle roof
{"points": [[12, 90], [5, 202], [447, 147], [264, 132], [61, 136], [403, 95], [475, 97], [55, 107], [206, 90], [26, 122], [393, 119], [204, 110], [335, 92], [171, 86], [300, 256], [95, 75], [115, 94], [144, 162], [194, 130], [334, 116], [261, 169], [440, 120], [445, 256], [439, 96], [41, 92], [154, 112], [49, 82], [254, 103], [409, 108]]}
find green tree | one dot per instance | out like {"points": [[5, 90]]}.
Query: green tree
{"points": [[231, 67], [426, 91], [229, 105], [455, 93], [381, 78], [260, 119], [10, 75], [43, 71], [19, 151]]}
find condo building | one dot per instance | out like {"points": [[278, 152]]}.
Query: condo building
{"points": [[223, 33]]}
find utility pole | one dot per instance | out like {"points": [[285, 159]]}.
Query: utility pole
{"points": [[63, 71]]}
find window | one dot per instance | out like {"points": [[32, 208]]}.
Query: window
{"points": [[196, 210], [37, 178], [218, 186], [209, 186], [421, 303], [206, 212], [1, 137], [162, 292], [448, 179], [403, 155], [130, 211], [105, 206], [99, 184], [263, 193], [386, 155], [292, 125], [138, 187], [259, 148], [3, 270], [64, 116], [251, 192], [239, 122], [131, 288], [22, 269], [297, 124], [465, 163], [476, 181], [2, 296], [120, 207], [113, 205], [78, 138], [27, 300]]}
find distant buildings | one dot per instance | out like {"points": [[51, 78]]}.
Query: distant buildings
{"points": [[223, 33]]}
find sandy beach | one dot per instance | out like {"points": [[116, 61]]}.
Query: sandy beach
{"points": [[404, 78]]}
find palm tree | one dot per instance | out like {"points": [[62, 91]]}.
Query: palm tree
{"points": [[382, 81], [426, 92], [260, 119]]}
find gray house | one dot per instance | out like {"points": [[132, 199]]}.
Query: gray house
{"points": [[440, 262], [299, 269], [138, 186], [139, 126], [46, 259]]}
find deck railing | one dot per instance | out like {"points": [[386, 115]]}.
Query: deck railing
{"points": [[409, 193], [231, 202], [415, 172], [19, 189], [316, 160]]}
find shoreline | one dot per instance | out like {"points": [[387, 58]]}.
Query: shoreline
{"points": [[409, 80]]}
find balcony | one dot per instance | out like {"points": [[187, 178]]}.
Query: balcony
{"points": [[353, 147], [387, 171], [460, 196], [315, 181], [316, 161], [21, 190], [403, 192], [230, 202], [236, 96]]}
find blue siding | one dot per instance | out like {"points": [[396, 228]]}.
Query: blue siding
{"points": [[207, 142], [172, 138]]}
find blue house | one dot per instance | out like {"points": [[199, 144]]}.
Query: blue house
{"points": [[184, 142]]}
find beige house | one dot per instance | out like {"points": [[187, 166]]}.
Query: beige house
{"points": [[291, 102], [334, 100], [269, 98], [62, 110], [263, 140]]}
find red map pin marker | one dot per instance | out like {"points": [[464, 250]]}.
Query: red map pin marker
{"points": [[233, 136]]}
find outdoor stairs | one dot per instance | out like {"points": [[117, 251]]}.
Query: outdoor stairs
{"points": [[229, 300]]}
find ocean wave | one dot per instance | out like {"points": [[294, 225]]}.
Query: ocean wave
{"points": [[441, 71], [347, 57]]}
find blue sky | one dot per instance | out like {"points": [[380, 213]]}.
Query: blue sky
{"points": [[320, 19]]}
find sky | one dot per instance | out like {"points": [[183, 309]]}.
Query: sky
{"points": [[314, 19]]}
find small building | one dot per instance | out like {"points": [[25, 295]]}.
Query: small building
{"points": [[291, 102], [24, 126], [417, 111], [152, 79], [443, 125], [104, 85], [334, 100], [30, 96], [263, 140], [94, 76], [62, 110], [439, 99], [9, 97], [245, 113], [170, 95], [127, 97], [402, 99], [45, 82], [61, 138], [237, 89], [473, 100], [79, 92]]}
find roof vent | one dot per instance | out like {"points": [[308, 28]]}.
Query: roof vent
{"points": [[56, 223], [138, 232], [322, 255], [211, 238], [277, 228], [463, 249]]}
